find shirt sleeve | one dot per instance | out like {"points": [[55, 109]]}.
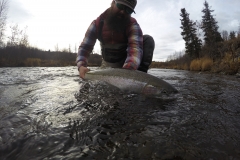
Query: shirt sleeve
{"points": [[135, 47], [87, 45]]}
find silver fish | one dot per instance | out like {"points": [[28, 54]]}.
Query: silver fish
{"points": [[132, 80]]}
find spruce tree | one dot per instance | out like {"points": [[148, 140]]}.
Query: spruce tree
{"points": [[238, 33], [192, 42], [210, 29], [232, 35]]}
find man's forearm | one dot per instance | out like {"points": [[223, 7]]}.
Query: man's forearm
{"points": [[86, 46]]}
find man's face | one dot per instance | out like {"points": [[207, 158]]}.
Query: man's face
{"points": [[119, 11], [117, 19]]}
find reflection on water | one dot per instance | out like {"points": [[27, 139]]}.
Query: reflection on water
{"points": [[49, 113]]}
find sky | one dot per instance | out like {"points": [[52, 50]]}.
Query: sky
{"points": [[63, 23]]}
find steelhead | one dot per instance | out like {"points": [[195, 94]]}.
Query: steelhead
{"points": [[132, 80]]}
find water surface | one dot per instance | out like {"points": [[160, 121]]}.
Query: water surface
{"points": [[49, 113]]}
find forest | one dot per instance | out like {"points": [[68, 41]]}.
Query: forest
{"points": [[22, 56], [206, 49]]}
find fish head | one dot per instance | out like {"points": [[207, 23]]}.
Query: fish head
{"points": [[157, 91]]}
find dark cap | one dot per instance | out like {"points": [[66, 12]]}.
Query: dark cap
{"points": [[130, 3]]}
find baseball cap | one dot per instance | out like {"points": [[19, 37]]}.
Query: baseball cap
{"points": [[129, 3]]}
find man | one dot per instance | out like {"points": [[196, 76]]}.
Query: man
{"points": [[122, 42]]}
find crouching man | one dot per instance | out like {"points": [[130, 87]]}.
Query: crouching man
{"points": [[123, 44]]}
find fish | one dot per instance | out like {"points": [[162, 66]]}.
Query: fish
{"points": [[132, 81]]}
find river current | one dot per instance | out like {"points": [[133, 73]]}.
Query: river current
{"points": [[50, 113]]}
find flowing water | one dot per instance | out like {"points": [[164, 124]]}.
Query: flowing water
{"points": [[49, 113]]}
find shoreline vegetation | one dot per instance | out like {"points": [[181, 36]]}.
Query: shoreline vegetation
{"points": [[227, 62], [221, 66], [21, 56], [206, 49]]}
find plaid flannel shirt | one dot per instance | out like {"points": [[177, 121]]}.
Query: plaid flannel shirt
{"points": [[135, 46]]}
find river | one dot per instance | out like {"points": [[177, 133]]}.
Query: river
{"points": [[49, 113]]}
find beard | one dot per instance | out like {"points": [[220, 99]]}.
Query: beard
{"points": [[117, 22]]}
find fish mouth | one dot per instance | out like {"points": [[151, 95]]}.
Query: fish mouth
{"points": [[152, 90]]}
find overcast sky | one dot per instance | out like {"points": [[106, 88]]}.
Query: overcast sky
{"points": [[64, 22]]}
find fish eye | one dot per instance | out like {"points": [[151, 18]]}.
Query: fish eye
{"points": [[164, 91]]}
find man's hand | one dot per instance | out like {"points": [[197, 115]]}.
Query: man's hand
{"points": [[82, 71]]}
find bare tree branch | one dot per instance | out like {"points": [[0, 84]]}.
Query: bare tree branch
{"points": [[3, 19]]}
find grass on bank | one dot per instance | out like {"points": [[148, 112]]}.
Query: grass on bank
{"points": [[225, 65], [202, 64]]}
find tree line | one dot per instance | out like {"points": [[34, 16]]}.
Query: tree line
{"points": [[22, 56], [205, 47]]}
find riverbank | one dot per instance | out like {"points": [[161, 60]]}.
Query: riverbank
{"points": [[21, 56], [226, 66]]}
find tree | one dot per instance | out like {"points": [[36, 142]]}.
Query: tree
{"points": [[69, 49], [14, 39], [18, 37], [238, 34], [232, 35], [192, 42], [23, 41], [225, 35], [3, 19], [211, 34], [75, 49], [56, 48]]}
